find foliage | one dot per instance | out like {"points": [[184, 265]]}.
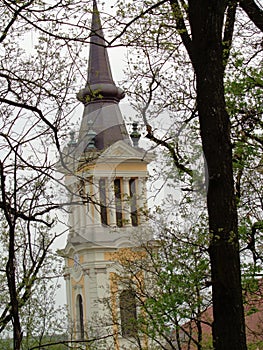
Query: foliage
{"points": [[168, 84], [37, 86], [256, 346]]}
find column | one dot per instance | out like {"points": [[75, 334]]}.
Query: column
{"points": [[89, 207], [82, 208], [78, 210], [82, 220], [71, 221], [111, 203], [126, 202], [142, 201], [74, 210], [69, 294]]}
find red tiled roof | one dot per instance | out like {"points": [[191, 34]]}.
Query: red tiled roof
{"points": [[253, 308]]}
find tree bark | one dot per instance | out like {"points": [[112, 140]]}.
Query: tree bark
{"points": [[11, 278], [253, 12], [206, 20], [10, 266]]}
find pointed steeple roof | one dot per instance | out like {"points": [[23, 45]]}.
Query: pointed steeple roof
{"points": [[100, 83], [100, 95], [99, 70]]}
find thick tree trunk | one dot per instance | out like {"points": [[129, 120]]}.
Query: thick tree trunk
{"points": [[206, 20], [11, 266], [11, 278], [253, 11]]}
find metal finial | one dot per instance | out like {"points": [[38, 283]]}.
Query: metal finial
{"points": [[72, 142], [91, 134], [135, 135]]}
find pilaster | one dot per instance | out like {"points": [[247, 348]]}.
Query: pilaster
{"points": [[126, 202]]}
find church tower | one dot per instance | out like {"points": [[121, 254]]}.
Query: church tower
{"points": [[106, 173]]}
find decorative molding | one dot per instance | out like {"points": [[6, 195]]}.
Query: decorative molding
{"points": [[98, 270], [78, 288]]}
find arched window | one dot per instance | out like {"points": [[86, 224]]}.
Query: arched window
{"points": [[80, 321], [128, 313]]}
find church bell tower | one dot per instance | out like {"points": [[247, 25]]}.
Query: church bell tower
{"points": [[106, 174]]}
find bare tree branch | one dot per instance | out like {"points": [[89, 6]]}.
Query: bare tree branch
{"points": [[13, 19]]}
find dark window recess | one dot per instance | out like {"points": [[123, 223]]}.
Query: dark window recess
{"points": [[128, 313], [134, 212], [80, 321], [118, 205], [103, 202]]}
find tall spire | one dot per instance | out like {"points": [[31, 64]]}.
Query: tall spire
{"points": [[99, 67], [100, 95], [100, 84]]}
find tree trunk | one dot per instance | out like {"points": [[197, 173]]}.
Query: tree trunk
{"points": [[206, 20], [11, 278], [10, 265]]}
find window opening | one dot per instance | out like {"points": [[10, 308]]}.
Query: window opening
{"points": [[103, 202], [80, 321], [128, 313], [118, 204]]}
